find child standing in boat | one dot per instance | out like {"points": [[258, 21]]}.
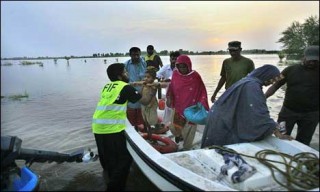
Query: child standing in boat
{"points": [[149, 111]]}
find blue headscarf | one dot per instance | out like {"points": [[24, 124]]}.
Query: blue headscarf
{"points": [[259, 75], [264, 73], [241, 113]]}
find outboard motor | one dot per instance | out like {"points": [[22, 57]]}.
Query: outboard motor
{"points": [[11, 150]]}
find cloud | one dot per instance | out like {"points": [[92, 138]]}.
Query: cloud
{"points": [[55, 28]]}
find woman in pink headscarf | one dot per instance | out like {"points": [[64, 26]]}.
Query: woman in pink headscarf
{"points": [[186, 89]]}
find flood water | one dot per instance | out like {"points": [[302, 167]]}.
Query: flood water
{"points": [[62, 98]]}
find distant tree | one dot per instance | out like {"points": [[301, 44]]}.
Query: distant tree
{"points": [[164, 52], [298, 36], [281, 55], [311, 30]]}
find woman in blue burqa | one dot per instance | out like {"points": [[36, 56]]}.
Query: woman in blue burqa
{"points": [[241, 113]]}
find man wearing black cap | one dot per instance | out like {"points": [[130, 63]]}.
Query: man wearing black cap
{"points": [[301, 102], [234, 68], [152, 58]]}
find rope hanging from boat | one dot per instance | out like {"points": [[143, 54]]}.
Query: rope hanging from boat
{"points": [[301, 170]]}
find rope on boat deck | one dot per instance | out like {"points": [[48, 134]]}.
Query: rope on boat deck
{"points": [[301, 169]]}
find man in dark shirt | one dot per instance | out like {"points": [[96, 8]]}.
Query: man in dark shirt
{"points": [[301, 102], [234, 68]]}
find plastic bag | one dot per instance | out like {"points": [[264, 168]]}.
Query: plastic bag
{"points": [[167, 117], [196, 114], [173, 120]]}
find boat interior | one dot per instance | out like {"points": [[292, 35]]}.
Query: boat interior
{"points": [[271, 174]]}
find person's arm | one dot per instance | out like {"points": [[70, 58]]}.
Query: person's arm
{"points": [[273, 88], [157, 85], [129, 93], [279, 135], [168, 101], [137, 83], [160, 73], [252, 66], [165, 83], [169, 96], [220, 84], [159, 61]]}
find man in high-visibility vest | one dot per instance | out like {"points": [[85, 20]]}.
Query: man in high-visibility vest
{"points": [[152, 58], [109, 122]]}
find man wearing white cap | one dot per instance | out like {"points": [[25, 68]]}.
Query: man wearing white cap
{"points": [[301, 102]]}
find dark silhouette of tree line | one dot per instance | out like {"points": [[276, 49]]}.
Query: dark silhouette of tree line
{"points": [[187, 52], [161, 53]]}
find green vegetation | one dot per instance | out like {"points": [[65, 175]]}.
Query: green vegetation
{"points": [[17, 97], [143, 53], [30, 63], [27, 63], [299, 36], [281, 55], [6, 64], [166, 53]]}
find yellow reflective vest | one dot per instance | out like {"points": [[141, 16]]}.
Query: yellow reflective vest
{"points": [[149, 58], [110, 117]]}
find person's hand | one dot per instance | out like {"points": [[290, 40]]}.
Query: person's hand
{"points": [[279, 135], [137, 83], [166, 80], [213, 98], [168, 102], [285, 137], [153, 85]]}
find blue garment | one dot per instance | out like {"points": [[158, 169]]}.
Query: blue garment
{"points": [[241, 113], [136, 73], [230, 159]]}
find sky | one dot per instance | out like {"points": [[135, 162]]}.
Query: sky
{"points": [[82, 28]]}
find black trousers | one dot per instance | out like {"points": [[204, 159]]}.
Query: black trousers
{"points": [[114, 158], [307, 123]]}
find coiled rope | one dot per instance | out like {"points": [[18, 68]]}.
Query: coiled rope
{"points": [[301, 170]]}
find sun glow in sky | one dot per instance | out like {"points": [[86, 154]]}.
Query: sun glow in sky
{"points": [[64, 28]]}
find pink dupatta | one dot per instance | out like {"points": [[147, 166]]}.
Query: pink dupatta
{"points": [[186, 90]]}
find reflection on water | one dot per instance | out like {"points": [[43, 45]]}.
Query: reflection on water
{"points": [[62, 98]]}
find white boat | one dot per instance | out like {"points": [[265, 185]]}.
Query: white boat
{"points": [[198, 169]]}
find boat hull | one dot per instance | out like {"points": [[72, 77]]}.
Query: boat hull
{"points": [[198, 169]]}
